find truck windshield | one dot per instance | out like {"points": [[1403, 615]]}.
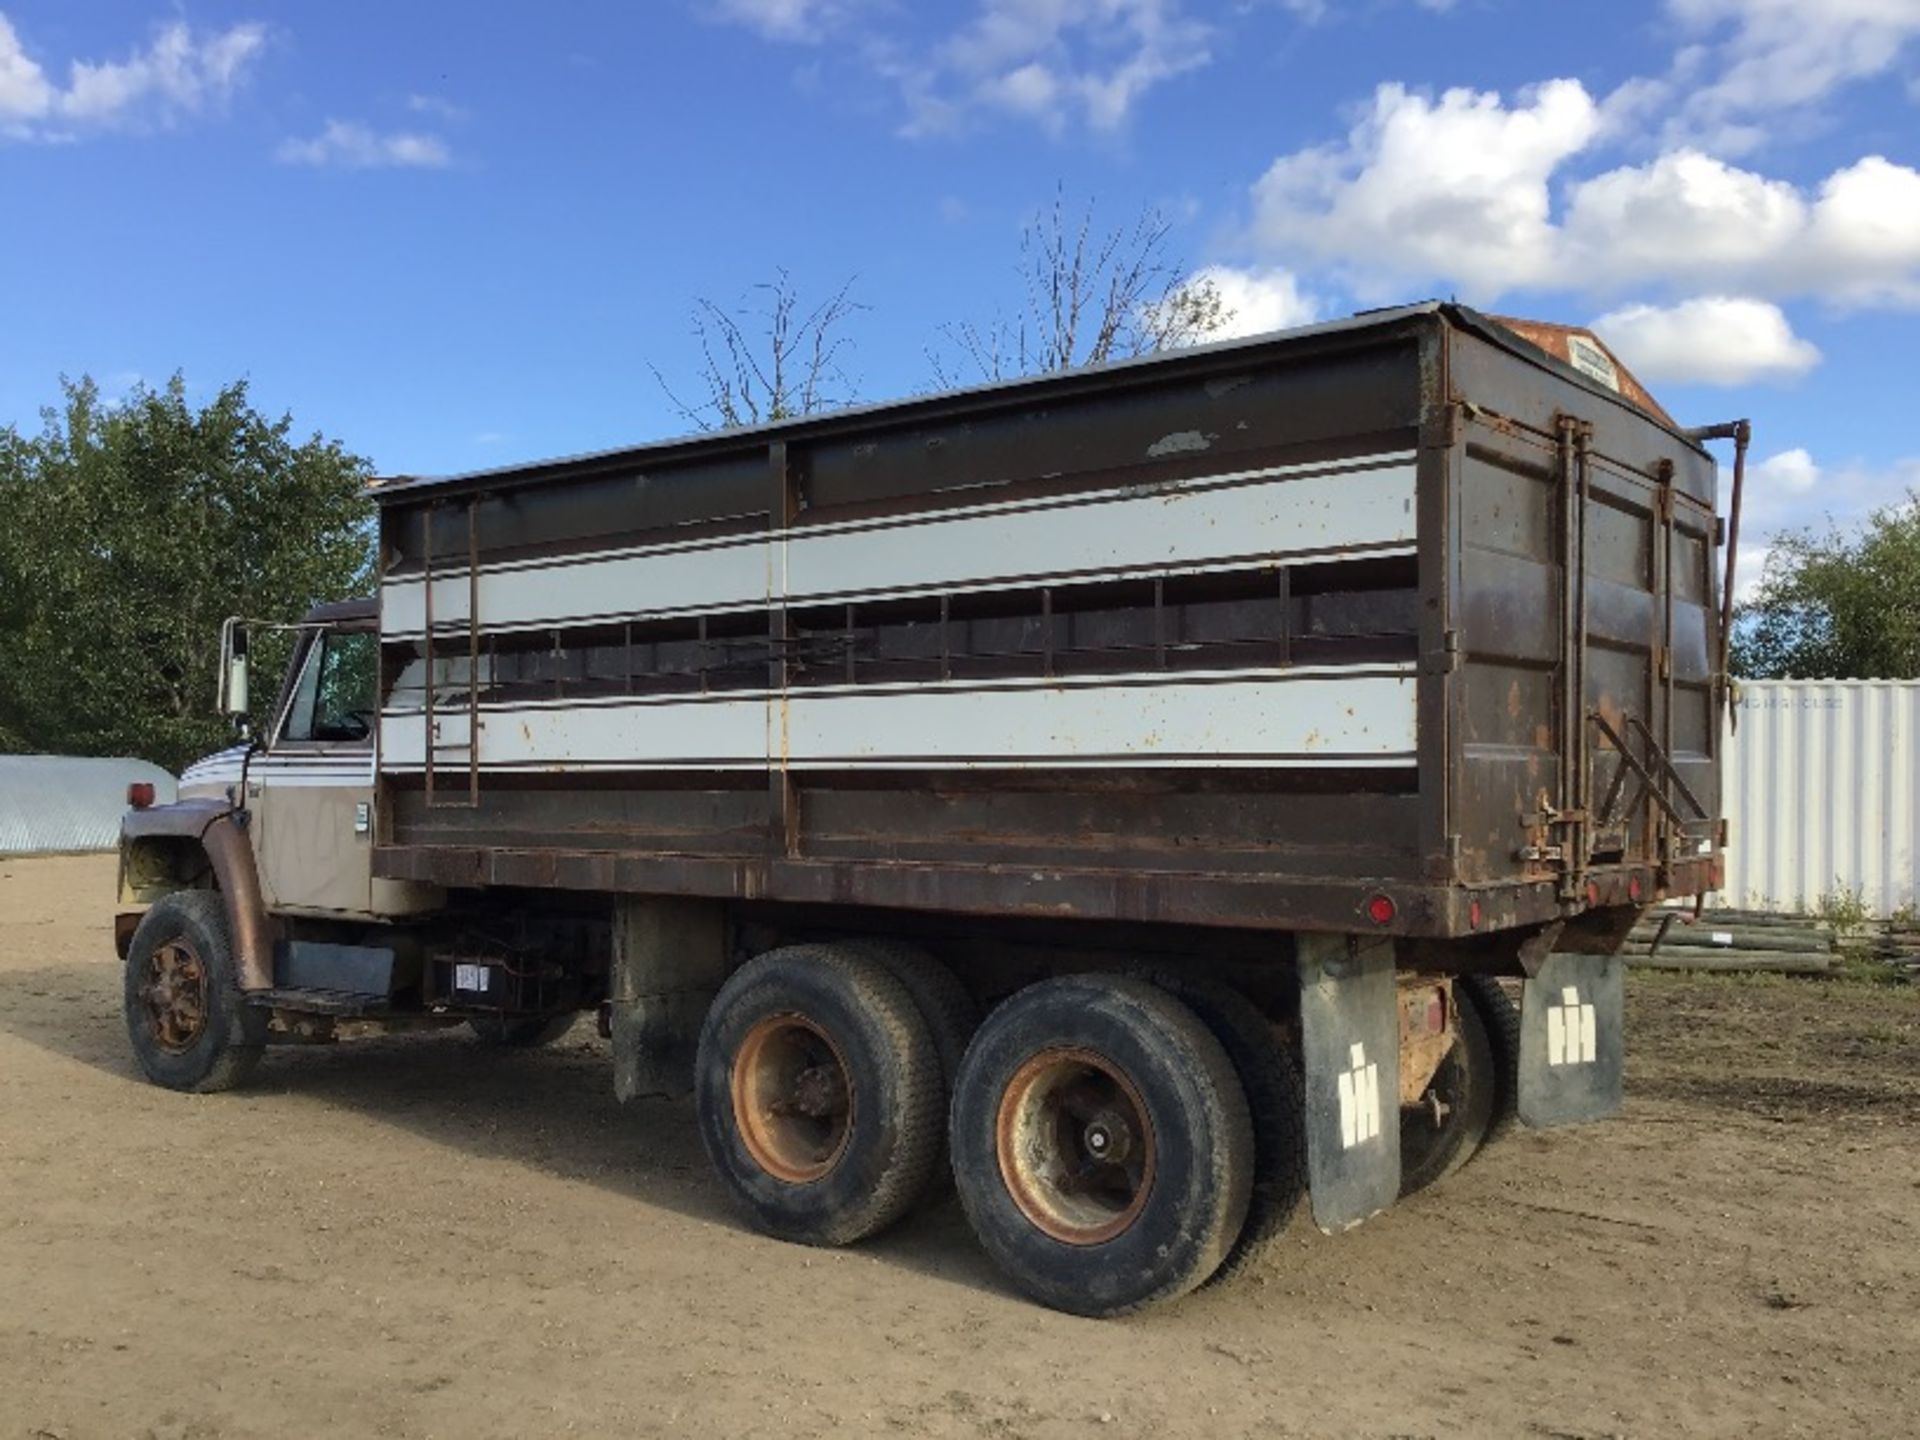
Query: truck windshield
{"points": [[335, 697]]}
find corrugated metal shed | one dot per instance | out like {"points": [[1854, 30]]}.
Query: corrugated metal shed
{"points": [[51, 804], [1823, 794]]}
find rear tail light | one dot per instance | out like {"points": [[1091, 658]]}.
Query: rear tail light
{"points": [[140, 794], [1474, 915], [1381, 910], [1633, 889]]}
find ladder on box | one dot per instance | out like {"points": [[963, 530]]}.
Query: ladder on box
{"points": [[452, 735]]}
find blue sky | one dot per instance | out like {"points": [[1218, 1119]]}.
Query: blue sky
{"points": [[456, 243]]}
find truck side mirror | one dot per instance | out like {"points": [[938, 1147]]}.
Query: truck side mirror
{"points": [[233, 669]]}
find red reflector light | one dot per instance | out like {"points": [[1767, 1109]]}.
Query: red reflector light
{"points": [[1381, 910], [1593, 893], [1633, 888], [140, 794], [1473, 915], [1436, 1013]]}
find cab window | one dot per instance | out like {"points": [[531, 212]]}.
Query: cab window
{"points": [[335, 698]]}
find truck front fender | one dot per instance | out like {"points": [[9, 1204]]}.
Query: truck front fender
{"points": [[213, 829]]}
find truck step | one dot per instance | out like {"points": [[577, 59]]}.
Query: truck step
{"points": [[317, 1002]]}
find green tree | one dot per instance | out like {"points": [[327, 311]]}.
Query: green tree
{"points": [[128, 531], [1843, 605]]}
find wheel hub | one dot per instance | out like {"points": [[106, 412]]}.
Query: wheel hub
{"points": [[793, 1098], [1075, 1145], [1109, 1137], [174, 996]]}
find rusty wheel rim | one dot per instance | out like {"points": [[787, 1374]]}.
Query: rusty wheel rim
{"points": [[174, 995], [1075, 1145], [793, 1098]]}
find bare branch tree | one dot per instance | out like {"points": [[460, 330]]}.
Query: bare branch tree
{"points": [[1090, 295], [770, 361]]}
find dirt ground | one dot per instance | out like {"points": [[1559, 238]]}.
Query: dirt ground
{"points": [[410, 1237]]}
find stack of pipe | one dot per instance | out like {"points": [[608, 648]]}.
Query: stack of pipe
{"points": [[1732, 941], [1898, 947]]}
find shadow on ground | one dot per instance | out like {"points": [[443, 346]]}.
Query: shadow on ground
{"points": [[551, 1109]]}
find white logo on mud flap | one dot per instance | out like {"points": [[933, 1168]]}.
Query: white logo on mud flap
{"points": [[1359, 1100], [1570, 1031]]}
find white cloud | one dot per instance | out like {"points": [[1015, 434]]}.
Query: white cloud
{"points": [[1792, 490], [1459, 192], [437, 106], [1258, 300], [1862, 244], [1749, 570], [805, 20], [179, 73], [24, 91], [1055, 63], [1771, 56], [1688, 218], [1682, 215], [1712, 340], [350, 145], [1791, 472], [1454, 187]]}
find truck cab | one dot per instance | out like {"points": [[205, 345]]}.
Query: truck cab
{"points": [[307, 781]]}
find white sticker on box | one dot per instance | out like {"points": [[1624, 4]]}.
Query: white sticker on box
{"points": [[470, 977]]}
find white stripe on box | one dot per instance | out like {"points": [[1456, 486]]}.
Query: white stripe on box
{"points": [[1317, 717], [1229, 521]]}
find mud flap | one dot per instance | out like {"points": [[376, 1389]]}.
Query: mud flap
{"points": [[1350, 1047], [1572, 1042]]}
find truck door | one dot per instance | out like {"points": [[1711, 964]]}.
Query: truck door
{"points": [[311, 791]]}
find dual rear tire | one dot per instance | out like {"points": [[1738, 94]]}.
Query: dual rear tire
{"points": [[1471, 1099], [1101, 1137], [819, 1092], [1102, 1144]]}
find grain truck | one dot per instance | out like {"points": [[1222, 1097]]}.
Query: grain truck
{"points": [[1137, 794]]}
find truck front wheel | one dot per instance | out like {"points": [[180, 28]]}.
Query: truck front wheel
{"points": [[1101, 1144], [818, 1091], [191, 1027]]}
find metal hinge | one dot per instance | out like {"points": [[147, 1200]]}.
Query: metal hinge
{"points": [[1441, 430]]}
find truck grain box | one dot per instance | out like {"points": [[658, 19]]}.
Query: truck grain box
{"points": [[1219, 726]]}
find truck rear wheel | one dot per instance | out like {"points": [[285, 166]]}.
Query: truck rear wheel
{"points": [[819, 1094], [1501, 1017], [1269, 1072], [949, 1012], [1440, 1133], [191, 1027], [1101, 1144]]}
